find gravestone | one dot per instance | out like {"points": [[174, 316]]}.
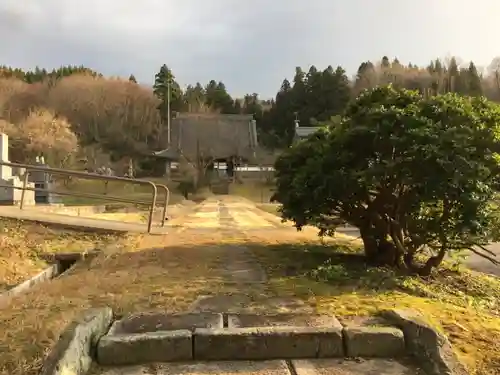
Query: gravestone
{"points": [[8, 182], [43, 180]]}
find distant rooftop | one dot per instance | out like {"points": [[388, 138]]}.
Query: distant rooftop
{"points": [[209, 134]]}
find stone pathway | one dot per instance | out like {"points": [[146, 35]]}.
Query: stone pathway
{"points": [[245, 291], [295, 367], [227, 213]]}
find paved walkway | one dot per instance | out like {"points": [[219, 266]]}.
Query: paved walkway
{"points": [[295, 367], [228, 213], [76, 221]]}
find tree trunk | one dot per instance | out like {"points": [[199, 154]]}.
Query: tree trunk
{"points": [[378, 250]]}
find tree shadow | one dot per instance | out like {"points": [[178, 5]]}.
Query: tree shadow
{"points": [[345, 270]]}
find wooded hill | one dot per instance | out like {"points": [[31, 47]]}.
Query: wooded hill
{"points": [[74, 112]]}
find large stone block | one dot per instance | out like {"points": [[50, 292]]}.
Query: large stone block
{"points": [[281, 320], [161, 346], [267, 343], [430, 347], [73, 352], [374, 342]]}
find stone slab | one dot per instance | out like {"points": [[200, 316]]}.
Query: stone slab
{"points": [[161, 346], [202, 368], [277, 320], [152, 322], [267, 343], [429, 346], [74, 351], [364, 321], [78, 222], [381, 342], [362, 367]]}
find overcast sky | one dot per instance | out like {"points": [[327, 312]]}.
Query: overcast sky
{"points": [[250, 45]]}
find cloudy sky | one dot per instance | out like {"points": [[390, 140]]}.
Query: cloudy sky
{"points": [[249, 45]]}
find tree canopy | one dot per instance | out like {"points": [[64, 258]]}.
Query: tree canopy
{"points": [[417, 175]]}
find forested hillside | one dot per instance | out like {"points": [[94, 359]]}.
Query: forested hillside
{"points": [[74, 112]]}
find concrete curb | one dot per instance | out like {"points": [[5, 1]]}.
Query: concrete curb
{"points": [[160, 346], [262, 343], [374, 342], [73, 354], [134, 340], [62, 263], [47, 274]]}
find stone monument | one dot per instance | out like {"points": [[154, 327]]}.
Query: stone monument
{"points": [[43, 180], [9, 195]]}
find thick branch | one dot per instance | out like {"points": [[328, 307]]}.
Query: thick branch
{"points": [[491, 259]]}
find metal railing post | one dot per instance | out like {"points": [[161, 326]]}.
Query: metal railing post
{"points": [[92, 176], [152, 208], [23, 192], [165, 203]]}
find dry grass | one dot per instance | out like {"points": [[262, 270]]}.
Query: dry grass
{"points": [[270, 208], [23, 244], [119, 189], [256, 191], [465, 306], [166, 273], [170, 272]]}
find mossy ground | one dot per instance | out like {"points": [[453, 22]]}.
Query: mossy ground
{"points": [[334, 278]]}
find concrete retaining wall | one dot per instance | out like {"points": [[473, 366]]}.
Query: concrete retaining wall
{"points": [[62, 262], [47, 274], [69, 210]]}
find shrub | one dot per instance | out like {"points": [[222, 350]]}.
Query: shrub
{"points": [[416, 175]]}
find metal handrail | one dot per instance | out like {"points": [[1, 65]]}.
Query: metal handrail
{"points": [[92, 176], [165, 202]]}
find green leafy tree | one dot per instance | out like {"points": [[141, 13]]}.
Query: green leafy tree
{"points": [[417, 176]]}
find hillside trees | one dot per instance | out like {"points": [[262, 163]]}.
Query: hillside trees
{"points": [[120, 115], [417, 176], [315, 96], [102, 117], [41, 133]]}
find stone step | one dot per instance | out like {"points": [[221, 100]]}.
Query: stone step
{"points": [[148, 338]]}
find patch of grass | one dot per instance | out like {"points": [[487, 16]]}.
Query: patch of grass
{"points": [[335, 279], [23, 244], [119, 189], [270, 208], [258, 192]]}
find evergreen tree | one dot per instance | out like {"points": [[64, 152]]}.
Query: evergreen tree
{"points": [[454, 82], [474, 86], [132, 78], [165, 87], [385, 62], [218, 99], [194, 98]]}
